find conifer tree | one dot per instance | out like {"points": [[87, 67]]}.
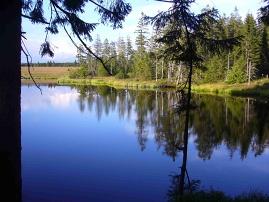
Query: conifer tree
{"points": [[113, 58], [142, 31], [264, 53], [187, 32], [129, 53], [106, 50], [251, 46], [142, 65], [122, 60]]}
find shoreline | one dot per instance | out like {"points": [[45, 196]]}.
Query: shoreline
{"points": [[258, 88]]}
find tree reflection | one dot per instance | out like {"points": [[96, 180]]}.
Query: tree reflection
{"points": [[238, 123]]}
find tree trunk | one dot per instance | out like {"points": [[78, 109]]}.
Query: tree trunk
{"points": [[249, 72], [162, 68], [186, 133], [169, 71], [10, 89], [228, 62], [156, 68]]}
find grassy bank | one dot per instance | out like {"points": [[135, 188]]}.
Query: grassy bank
{"points": [[256, 88], [118, 83], [59, 75]]}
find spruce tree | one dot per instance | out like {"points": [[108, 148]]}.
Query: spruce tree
{"points": [[251, 46], [187, 32], [142, 31], [122, 60], [129, 53], [142, 65], [264, 53], [106, 50], [113, 58]]}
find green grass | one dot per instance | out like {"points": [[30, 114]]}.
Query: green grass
{"points": [[258, 88], [118, 83], [60, 75]]}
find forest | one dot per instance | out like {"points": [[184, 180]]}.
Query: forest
{"points": [[146, 59]]}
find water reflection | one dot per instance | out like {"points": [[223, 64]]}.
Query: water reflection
{"points": [[237, 123], [233, 127]]}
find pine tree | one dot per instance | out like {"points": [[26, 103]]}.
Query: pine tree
{"points": [[98, 46], [188, 32], [122, 60], [113, 58], [142, 31], [129, 53], [106, 50], [264, 13], [142, 65], [264, 53], [251, 46]]}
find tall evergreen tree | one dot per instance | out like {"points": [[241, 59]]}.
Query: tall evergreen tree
{"points": [[264, 53], [187, 32], [264, 13], [142, 65], [106, 50], [142, 31], [122, 60], [113, 58], [129, 53], [251, 46], [98, 46]]}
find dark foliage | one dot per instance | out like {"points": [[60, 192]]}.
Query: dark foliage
{"points": [[264, 13]]}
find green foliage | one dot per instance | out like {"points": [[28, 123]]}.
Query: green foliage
{"points": [[215, 69], [167, 53], [121, 75], [142, 66], [102, 71], [80, 73], [237, 73]]}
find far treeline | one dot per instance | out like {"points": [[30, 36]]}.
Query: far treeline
{"points": [[52, 64], [246, 62]]}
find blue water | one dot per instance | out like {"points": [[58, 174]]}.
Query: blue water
{"points": [[79, 150]]}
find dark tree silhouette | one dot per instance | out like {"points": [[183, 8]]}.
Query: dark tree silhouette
{"points": [[264, 13], [62, 13], [10, 85], [185, 34]]}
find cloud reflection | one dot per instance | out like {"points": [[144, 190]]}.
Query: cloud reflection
{"points": [[51, 97]]}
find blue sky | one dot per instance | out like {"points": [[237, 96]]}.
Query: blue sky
{"points": [[65, 51]]}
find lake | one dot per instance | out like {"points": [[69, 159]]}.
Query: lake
{"points": [[103, 144]]}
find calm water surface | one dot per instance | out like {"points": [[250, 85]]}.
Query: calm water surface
{"points": [[102, 144]]}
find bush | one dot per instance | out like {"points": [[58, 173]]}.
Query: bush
{"points": [[121, 75], [80, 73], [102, 71], [237, 73]]}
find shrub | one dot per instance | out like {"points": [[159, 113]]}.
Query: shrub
{"points": [[120, 75], [79, 73]]}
